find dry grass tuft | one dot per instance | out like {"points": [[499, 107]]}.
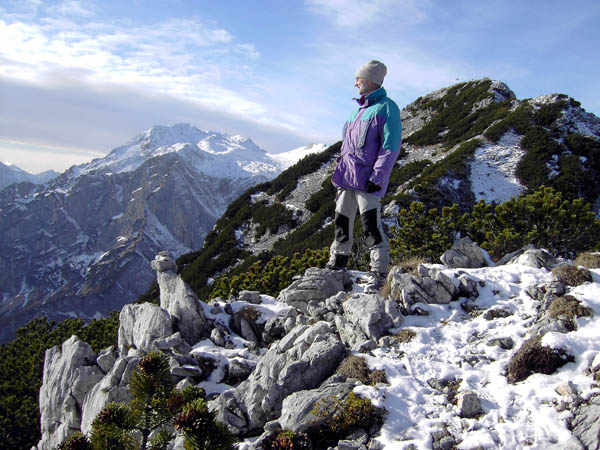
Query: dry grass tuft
{"points": [[571, 275]]}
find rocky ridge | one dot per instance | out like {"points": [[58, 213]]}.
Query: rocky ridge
{"points": [[10, 174], [267, 363]]}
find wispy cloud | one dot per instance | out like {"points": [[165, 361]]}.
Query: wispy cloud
{"points": [[183, 57], [70, 8], [359, 13]]}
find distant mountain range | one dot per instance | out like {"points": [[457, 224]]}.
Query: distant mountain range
{"points": [[81, 244], [9, 174]]}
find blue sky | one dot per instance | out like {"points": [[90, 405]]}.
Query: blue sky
{"points": [[78, 78]]}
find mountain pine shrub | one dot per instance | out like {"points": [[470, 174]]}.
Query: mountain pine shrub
{"points": [[427, 186], [201, 429], [520, 121], [543, 219], [287, 440], [269, 277], [77, 441], [147, 421], [422, 233], [341, 417]]}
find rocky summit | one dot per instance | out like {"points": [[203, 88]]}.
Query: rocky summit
{"points": [[444, 358]]}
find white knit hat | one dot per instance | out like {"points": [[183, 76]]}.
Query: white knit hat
{"points": [[373, 71]]}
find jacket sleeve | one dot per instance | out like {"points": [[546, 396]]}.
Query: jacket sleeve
{"points": [[391, 141]]}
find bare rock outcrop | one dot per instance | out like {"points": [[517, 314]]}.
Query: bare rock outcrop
{"points": [[70, 371], [180, 301], [301, 360]]}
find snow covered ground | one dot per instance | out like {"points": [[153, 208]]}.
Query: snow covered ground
{"points": [[450, 344], [493, 169]]}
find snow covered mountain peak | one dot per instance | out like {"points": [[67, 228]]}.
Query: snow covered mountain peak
{"points": [[209, 152]]}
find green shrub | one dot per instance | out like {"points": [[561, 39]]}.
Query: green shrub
{"points": [[324, 196], [519, 120], [456, 118], [572, 275], [271, 217], [532, 170], [341, 417], [543, 219], [145, 422], [269, 277], [201, 430], [423, 234], [77, 441], [548, 113], [532, 358], [287, 440], [287, 181]]}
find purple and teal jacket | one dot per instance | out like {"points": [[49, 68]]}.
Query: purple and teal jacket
{"points": [[371, 144]]}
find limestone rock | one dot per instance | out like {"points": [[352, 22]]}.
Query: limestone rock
{"points": [[301, 360], [464, 253], [468, 404], [315, 284], [70, 372], [586, 424], [296, 408], [250, 297], [434, 287], [112, 388], [366, 318], [182, 304], [141, 326], [536, 258]]}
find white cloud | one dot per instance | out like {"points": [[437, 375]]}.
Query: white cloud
{"points": [[182, 57], [359, 13], [70, 8]]}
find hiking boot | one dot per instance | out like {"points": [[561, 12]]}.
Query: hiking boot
{"points": [[338, 263], [376, 282]]}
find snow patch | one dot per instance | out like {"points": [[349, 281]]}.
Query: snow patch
{"points": [[493, 169]]}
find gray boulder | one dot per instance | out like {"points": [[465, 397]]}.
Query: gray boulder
{"points": [[533, 257], [180, 301], [140, 326], [464, 253], [315, 284], [366, 318], [70, 372], [301, 360], [430, 286], [468, 404], [250, 297], [296, 408]]}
